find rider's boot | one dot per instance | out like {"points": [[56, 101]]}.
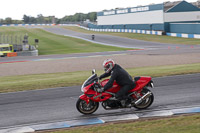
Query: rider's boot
{"points": [[123, 103]]}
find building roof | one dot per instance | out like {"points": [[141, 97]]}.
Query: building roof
{"points": [[168, 4], [181, 6], [176, 6]]}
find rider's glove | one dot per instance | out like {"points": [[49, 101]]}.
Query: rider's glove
{"points": [[100, 90]]}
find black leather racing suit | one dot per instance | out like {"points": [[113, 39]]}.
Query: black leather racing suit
{"points": [[122, 78]]}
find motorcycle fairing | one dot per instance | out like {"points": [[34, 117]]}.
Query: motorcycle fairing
{"points": [[99, 97]]}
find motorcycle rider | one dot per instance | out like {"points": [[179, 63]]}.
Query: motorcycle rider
{"points": [[121, 77], [93, 36]]}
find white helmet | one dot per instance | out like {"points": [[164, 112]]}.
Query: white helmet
{"points": [[108, 64]]}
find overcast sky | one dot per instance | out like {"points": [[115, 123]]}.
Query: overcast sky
{"points": [[59, 8]]}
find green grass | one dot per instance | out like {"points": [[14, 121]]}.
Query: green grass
{"points": [[145, 37], [178, 124], [50, 43], [42, 81]]}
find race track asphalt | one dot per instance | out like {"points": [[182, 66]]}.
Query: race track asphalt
{"points": [[114, 40], [58, 104], [153, 54]]}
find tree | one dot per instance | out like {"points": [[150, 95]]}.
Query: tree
{"points": [[1, 21], [8, 20], [92, 16], [40, 19], [32, 20], [79, 17], [26, 19]]}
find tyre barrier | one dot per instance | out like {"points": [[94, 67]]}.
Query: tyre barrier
{"points": [[197, 36], [100, 120]]}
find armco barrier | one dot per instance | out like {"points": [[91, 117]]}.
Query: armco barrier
{"points": [[101, 120], [28, 53]]}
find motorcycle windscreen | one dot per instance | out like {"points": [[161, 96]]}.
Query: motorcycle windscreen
{"points": [[90, 80]]}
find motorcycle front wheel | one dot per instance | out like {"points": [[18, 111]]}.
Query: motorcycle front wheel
{"points": [[85, 108]]}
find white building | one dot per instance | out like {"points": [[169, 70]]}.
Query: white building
{"points": [[165, 17]]}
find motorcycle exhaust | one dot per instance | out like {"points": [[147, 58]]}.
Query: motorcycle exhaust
{"points": [[147, 95]]}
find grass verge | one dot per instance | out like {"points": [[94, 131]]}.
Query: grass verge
{"points": [[145, 37], [177, 124], [41, 81], [50, 43]]}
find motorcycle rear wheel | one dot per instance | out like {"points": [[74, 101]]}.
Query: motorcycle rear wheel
{"points": [[146, 103], [85, 108]]}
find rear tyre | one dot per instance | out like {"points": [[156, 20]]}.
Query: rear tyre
{"points": [[85, 108], [146, 103]]}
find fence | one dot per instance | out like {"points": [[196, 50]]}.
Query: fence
{"points": [[19, 42], [11, 39]]}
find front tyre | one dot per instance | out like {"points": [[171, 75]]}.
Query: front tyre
{"points": [[147, 102], [85, 108]]}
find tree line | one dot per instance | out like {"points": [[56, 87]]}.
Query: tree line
{"points": [[79, 17], [40, 19]]}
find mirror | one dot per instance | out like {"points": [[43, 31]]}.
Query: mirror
{"points": [[93, 71]]}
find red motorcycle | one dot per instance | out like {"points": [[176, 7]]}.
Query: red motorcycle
{"points": [[139, 97]]}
